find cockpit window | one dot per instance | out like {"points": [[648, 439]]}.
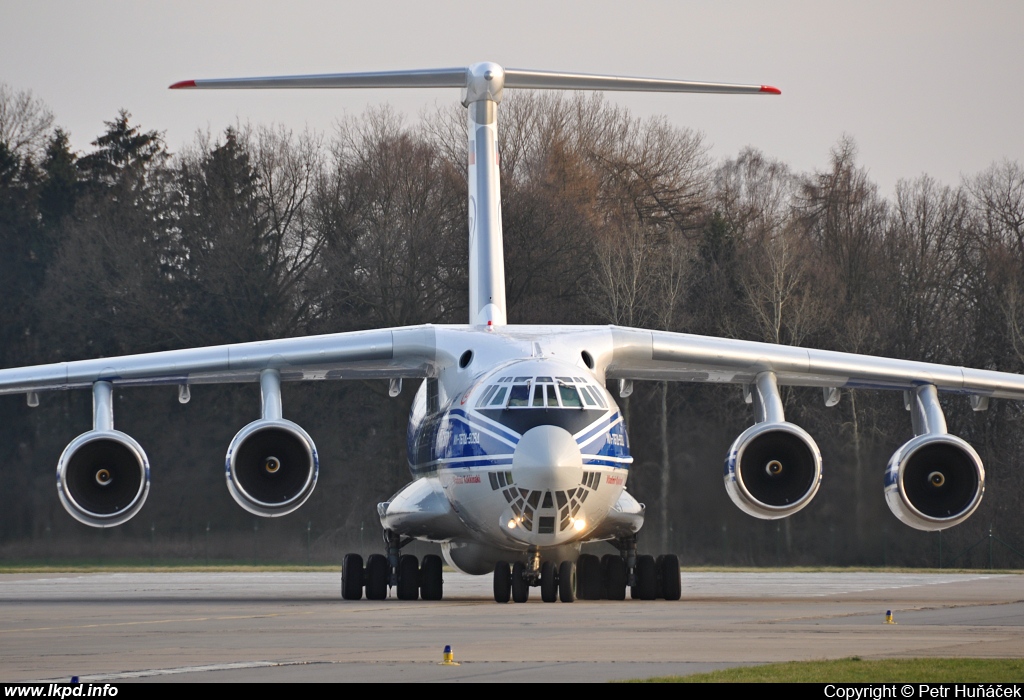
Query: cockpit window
{"points": [[520, 396], [542, 392], [499, 398], [487, 395], [587, 396], [552, 397], [538, 395], [570, 399]]}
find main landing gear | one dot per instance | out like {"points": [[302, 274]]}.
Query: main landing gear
{"points": [[404, 572], [590, 578]]}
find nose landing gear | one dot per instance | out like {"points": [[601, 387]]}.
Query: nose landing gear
{"points": [[556, 581]]}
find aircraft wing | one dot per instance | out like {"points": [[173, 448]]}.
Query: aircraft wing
{"points": [[665, 356], [388, 353]]}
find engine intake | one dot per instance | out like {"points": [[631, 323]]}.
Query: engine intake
{"points": [[772, 470], [103, 478], [271, 467], [934, 481]]}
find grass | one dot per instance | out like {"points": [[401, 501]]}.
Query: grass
{"points": [[857, 670]]}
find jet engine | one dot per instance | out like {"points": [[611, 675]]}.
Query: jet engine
{"points": [[773, 470], [934, 481], [103, 478], [271, 467]]}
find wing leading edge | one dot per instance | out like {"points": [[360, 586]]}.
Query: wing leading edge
{"points": [[388, 353], [661, 355]]}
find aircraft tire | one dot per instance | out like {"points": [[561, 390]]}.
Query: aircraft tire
{"points": [[659, 588], [377, 575], [567, 581], [671, 586], [615, 576], [646, 587], [431, 578], [352, 577], [548, 582], [588, 577], [502, 582], [408, 577], [520, 586]]}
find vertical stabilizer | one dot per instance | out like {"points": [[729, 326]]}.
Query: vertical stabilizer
{"points": [[482, 86], [486, 255]]}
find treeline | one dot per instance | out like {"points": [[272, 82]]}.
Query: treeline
{"points": [[259, 232]]}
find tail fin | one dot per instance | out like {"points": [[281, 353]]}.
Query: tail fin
{"points": [[482, 85]]}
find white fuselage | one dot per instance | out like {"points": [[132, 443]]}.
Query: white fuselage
{"points": [[517, 446]]}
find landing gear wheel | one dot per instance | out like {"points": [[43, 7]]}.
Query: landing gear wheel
{"points": [[431, 580], [671, 586], [615, 576], [588, 577], [567, 581], [659, 588], [352, 577], [646, 587], [520, 586], [548, 582], [377, 575], [408, 577], [502, 582]]}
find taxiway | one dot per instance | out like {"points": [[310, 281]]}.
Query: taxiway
{"points": [[290, 627]]}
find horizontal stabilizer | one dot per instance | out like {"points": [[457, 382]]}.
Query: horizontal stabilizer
{"points": [[551, 80], [431, 78], [462, 77]]}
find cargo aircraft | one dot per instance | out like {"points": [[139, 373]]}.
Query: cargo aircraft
{"points": [[518, 451]]}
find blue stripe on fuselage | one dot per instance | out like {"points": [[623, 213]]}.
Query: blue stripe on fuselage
{"points": [[462, 439]]}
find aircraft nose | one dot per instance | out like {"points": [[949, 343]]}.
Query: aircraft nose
{"points": [[547, 458]]}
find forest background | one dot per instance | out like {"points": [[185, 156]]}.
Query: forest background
{"points": [[259, 232]]}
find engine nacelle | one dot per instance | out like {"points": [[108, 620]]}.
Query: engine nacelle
{"points": [[103, 478], [934, 481], [271, 467], [772, 470]]}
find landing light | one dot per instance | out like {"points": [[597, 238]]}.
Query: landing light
{"points": [[512, 524], [578, 525]]}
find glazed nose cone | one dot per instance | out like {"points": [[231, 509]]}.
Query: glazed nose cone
{"points": [[547, 458]]}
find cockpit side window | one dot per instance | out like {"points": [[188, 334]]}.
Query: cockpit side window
{"points": [[487, 395], [587, 396], [499, 398]]}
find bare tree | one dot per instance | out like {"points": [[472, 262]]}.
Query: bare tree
{"points": [[25, 122], [393, 230]]}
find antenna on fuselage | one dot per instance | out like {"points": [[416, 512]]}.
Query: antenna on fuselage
{"points": [[482, 85]]}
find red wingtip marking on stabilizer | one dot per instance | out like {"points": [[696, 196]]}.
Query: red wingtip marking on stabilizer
{"points": [[183, 84], [771, 90]]}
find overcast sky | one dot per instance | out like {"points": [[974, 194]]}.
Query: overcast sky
{"points": [[923, 87]]}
